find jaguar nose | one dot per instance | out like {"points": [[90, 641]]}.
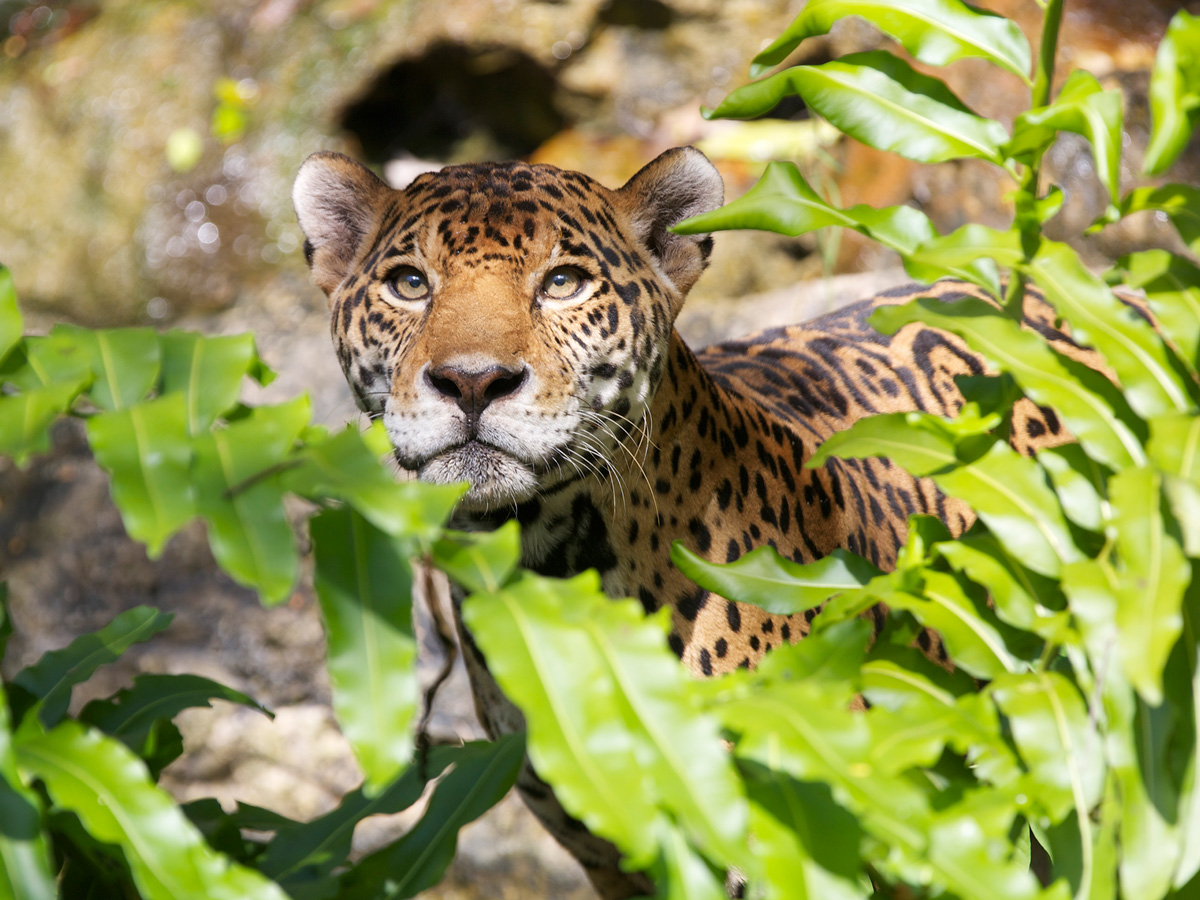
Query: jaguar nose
{"points": [[475, 391]]}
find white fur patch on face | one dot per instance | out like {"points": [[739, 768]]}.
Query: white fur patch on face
{"points": [[496, 479]]}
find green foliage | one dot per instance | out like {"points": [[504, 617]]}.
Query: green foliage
{"points": [[1069, 610]]}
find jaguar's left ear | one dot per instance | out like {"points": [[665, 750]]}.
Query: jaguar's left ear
{"points": [[678, 184]]}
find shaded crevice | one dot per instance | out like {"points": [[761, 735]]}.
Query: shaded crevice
{"points": [[457, 104]]}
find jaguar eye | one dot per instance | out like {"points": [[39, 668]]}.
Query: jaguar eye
{"points": [[562, 283], [408, 284]]}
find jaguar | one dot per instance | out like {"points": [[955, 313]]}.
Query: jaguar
{"points": [[512, 325]]}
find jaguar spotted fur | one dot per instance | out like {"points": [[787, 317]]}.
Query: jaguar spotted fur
{"points": [[512, 325]]}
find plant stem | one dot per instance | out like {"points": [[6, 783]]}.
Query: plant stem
{"points": [[1027, 191]]}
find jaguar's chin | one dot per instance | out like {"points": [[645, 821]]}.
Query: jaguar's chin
{"points": [[496, 478]]}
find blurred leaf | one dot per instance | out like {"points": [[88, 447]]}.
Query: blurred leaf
{"points": [[347, 466], [25, 418], [483, 561], [364, 584], [1181, 203], [1153, 575], [103, 783], [1056, 739], [808, 844], [767, 580], [1084, 399], [146, 451], [681, 872], [882, 101], [1008, 491], [302, 852], [831, 656], [934, 31], [1098, 319], [11, 324], [239, 493], [207, 370], [123, 361], [482, 775], [130, 713], [1084, 108], [609, 712], [51, 678], [25, 865], [1078, 481], [1172, 286], [1174, 92]]}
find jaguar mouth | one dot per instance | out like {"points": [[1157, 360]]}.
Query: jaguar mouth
{"points": [[496, 477]]}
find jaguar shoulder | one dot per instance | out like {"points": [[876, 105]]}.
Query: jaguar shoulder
{"points": [[512, 325]]}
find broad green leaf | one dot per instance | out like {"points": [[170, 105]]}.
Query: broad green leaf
{"points": [[208, 371], [147, 453], [1174, 92], [239, 493], [1078, 480], [1056, 739], [1153, 574], [364, 583], [124, 362], [480, 561], [1181, 203], [1022, 598], [830, 655], [783, 202], [1174, 445], [347, 466], [482, 775], [882, 101], [304, 851], [1172, 286], [25, 864], [1084, 399], [103, 783], [769, 581], [51, 678], [1008, 491], [807, 843], [130, 713], [961, 251], [25, 418], [934, 31], [11, 324], [613, 718], [958, 844], [681, 872], [1081, 107], [1184, 690], [1098, 319]]}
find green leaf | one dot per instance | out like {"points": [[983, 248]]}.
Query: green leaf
{"points": [[1056, 739], [1174, 92], [783, 202], [131, 713], [1098, 319], [882, 101], [51, 678], [347, 466], [25, 864], [936, 256], [124, 362], [807, 843], [146, 451], [1172, 286], [11, 324], [239, 493], [1082, 107], [108, 787], [1078, 480], [934, 31], [1008, 491], [610, 712], [1181, 203], [208, 371], [1084, 399], [830, 655], [1153, 575], [364, 584], [767, 580], [481, 561], [482, 775], [681, 872], [308, 851], [25, 419]]}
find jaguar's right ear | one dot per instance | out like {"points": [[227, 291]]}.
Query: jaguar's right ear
{"points": [[338, 202]]}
